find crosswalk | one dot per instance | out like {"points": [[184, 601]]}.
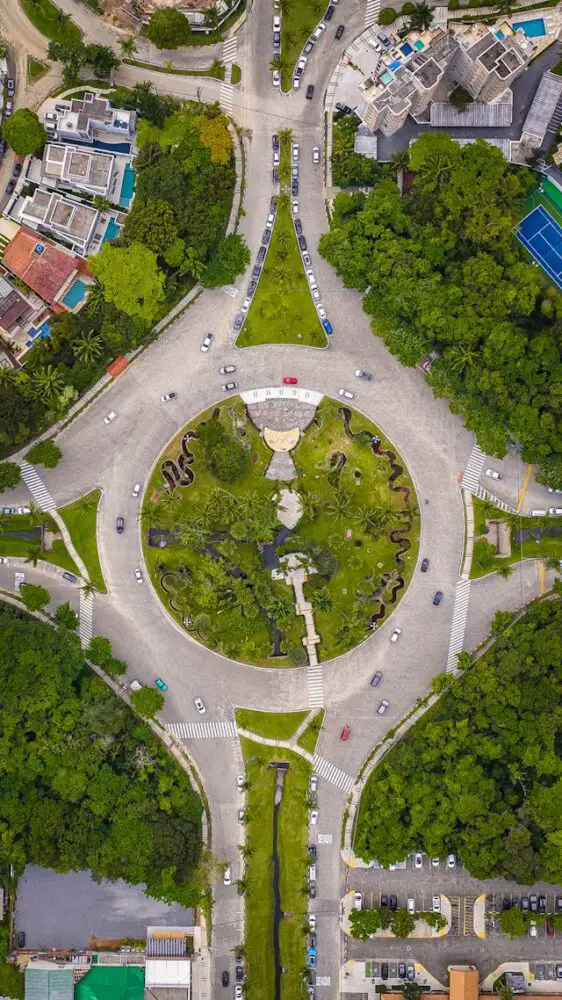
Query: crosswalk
{"points": [[315, 686], [229, 49], [473, 470], [36, 487], [85, 615], [332, 773], [227, 97], [458, 627], [484, 494], [372, 8], [202, 730]]}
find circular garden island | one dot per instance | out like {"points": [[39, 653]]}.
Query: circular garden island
{"points": [[332, 533]]}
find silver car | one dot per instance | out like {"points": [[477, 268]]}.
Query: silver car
{"points": [[346, 394], [206, 343]]}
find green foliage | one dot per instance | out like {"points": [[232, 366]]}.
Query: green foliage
{"points": [[12, 982], [454, 4], [51, 21], [387, 15], [550, 472], [420, 17], [460, 98], [24, 133], [168, 29], [84, 786], [143, 98], [34, 596], [45, 453], [231, 259], [445, 273], [75, 54], [147, 702], [10, 475], [150, 222], [66, 617], [350, 169], [492, 784], [224, 456], [130, 279], [407, 8], [483, 555], [402, 923], [99, 650], [435, 920], [363, 923], [514, 922]]}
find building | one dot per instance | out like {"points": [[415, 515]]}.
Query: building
{"points": [[92, 120], [168, 969], [47, 270], [49, 983], [67, 219], [18, 310], [80, 169], [489, 59]]}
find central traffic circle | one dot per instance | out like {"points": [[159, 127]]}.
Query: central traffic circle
{"points": [[280, 528]]}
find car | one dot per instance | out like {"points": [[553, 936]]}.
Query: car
{"points": [[21, 939], [270, 220], [312, 920], [339, 31], [312, 851], [225, 978], [109, 417], [295, 170], [418, 860], [17, 170], [410, 972], [346, 394], [540, 972], [71, 577], [315, 293], [273, 203], [366, 376], [302, 243], [438, 597], [524, 903], [549, 488], [295, 208], [345, 733], [246, 304], [276, 78], [328, 328], [493, 474], [549, 928], [309, 45], [312, 960], [313, 817], [24, 510], [411, 905], [382, 707], [160, 684], [298, 226], [207, 343], [321, 310], [344, 108], [241, 815], [506, 904], [261, 254], [168, 396], [275, 140], [329, 13], [275, 175], [276, 158], [437, 904], [238, 321], [318, 30], [312, 941], [138, 576], [396, 635], [295, 152], [312, 890], [542, 904], [384, 970], [276, 39], [238, 992], [239, 973], [227, 877], [315, 154], [10, 87], [435, 862], [227, 370], [401, 970], [357, 900], [276, 22], [376, 679], [4, 561], [9, 107], [559, 971], [310, 92], [424, 565], [533, 904], [555, 511], [136, 490], [393, 903], [533, 932], [559, 904], [266, 236], [229, 386], [294, 187], [199, 706], [8, 510], [3, 147], [313, 782], [240, 781], [256, 271], [451, 861], [310, 277]]}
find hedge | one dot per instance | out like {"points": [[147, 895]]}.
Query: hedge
{"points": [[387, 15]]}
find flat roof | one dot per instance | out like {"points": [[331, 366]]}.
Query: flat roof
{"points": [[167, 972]]}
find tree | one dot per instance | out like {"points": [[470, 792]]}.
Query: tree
{"points": [[460, 99], [514, 922], [24, 133], [47, 382], [34, 554], [45, 453], [402, 923], [192, 264], [400, 160], [147, 702], [88, 347], [340, 505], [168, 29], [34, 597], [99, 651], [10, 476], [421, 17], [211, 18], [322, 600], [363, 923], [130, 279], [128, 46], [66, 617], [102, 59], [151, 222], [504, 570], [550, 472], [231, 259]]}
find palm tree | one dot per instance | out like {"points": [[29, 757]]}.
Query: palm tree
{"points": [[36, 515], [339, 505], [308, 503], [62, 17], [366, 518], [192, 264], [285, 6], [322, 600], [87, 347], [169, 500], [34, 553], [95, 300], [283, 237], [281, 274], [436, 168], [7, 376], [461, 356], [88, 589], [211, 18], [47, 382], [400, 160], [554, 563], [128, 46], [421, 17], [169, 65], [504, 570]]}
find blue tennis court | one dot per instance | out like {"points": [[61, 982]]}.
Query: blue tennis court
{"points": [[541, 235]]}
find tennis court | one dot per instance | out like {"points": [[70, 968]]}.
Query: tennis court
{"points": [[541, 235]]}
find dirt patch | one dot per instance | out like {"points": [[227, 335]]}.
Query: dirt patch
{"points": [[124, 15]]}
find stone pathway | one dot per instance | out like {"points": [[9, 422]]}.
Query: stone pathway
{"points": [[294, 574], [281, 414]]}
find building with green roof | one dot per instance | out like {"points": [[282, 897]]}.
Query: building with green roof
{"points": [[112, 982]]}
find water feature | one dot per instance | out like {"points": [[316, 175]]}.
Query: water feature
{"points": [[75, 294]]}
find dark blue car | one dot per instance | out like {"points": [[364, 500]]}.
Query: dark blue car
{"points": [[327, 326]]}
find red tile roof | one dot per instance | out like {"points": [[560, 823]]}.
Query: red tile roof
{"points": [[45, 273]]}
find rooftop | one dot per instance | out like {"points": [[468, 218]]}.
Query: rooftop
{"points": [[42, 266], [63, 215], [77, 167]]}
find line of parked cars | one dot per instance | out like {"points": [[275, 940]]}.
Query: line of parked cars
{"points": [[261, 255], [311, 42], [301, 239]]}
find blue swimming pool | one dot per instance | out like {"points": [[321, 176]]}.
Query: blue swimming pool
{"points": [[533, 29], [419, 44], [127, 187], [394, 64], [112, 231], [75, 294], [500, 35], [406, 48], [38, 333], [386, 78]]}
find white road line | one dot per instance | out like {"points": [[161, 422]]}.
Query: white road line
{"points": [[86, 612], [227, 97], [473, 469], [315, 686], [229, 49], [332, 773], [36, 487], [458, 627], [372, 11], [202, 730]]}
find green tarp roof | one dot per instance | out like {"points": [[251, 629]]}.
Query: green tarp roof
{"points": [[112, 982]]}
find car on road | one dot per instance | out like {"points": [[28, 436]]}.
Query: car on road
{"points": [[229, 386], [277, 22], [418, 859], [345, 733], [552, 490], [424, 565], [559, 904], [24, 510], [315, 154], [207, 343], [309, 45], [17, 170], [313, 782], [382, 707], [393, 903], [136, 490], [225, 978], [298, 227], [227, 877], [411, 905], [346, 394], [71, 577], [344, 109], [357, 900], [310, 277], [384, 900], [366, 376], [138, 575], [437, 904], [21, 939], [310, 92], [168, 396], [160, 684], [376, 679], [275, 140], [313, 817], [311, 961], [240, 779], [4, 561], [275, 176], [302, 242], [256, 271], [524, 903], [435, 862], [559, 971], [438, 597], [241, 815], [493, 474], [451, 861], [120, 525], [295, 152], [109, 417], [396, 635], [10, 87], [339, 31], [199, 706], [312, 941], [3, 147], [227, 370], [328, 328]]}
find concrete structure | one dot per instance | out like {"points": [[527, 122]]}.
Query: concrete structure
{"points": [[64, 217], [92, 120], [489, 59], [18, 310], [81, 169]]}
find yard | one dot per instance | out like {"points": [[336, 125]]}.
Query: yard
{"points": [[309, 738], [484, 561], [273, 725], [80, 518], [51, 21]]}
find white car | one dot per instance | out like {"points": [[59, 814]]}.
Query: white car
{"points": [[493, 474], [316, 155], [138, 576], [437, 904], [227, 370], [240, 782], [199, 706], [451, 861], [167, 397], [238, 994], [136, 490], [346, 394], [411, 905], [276, 78], [295, 151], [241, 815], [270, 221], [296, 83], [312, 921], [321, 310], [315, 293], [275, 158], [357, 900], [24, 510], [109, 417], [310, 276], [295, 208], [313, 782], [246, 304], [396, 634], [418, 860], [4, 561], [533, 928], [314, 817], [206, 343], [276, 22], [552, 490], [227, 877], [435, 862]]}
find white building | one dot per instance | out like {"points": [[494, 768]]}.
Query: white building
{"points": [[65, 218], [92, 119]]}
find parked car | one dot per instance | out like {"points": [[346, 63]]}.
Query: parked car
{"points": [[21, 939], [339, 31], [310, 277], [241, 815], [276, 22], [382, 707], [238, 320], [246, 304], [135, 492], [168, 396], [384, 970], [555, 511], [275, 176], [225, 978], [298, 227], [357, 900], [549, 928], [256, 271], [227, 877], [295, 152], [306, 259], [10, 87], [266, 236], [321, 310], [10, 185], [401, 970], [393, 903], [329, 13], [346, 394], [71, 577], [270, 220], [344, 109], [418, 860], [261, 254], [438, 597], [310, 92], [8, 109], [316, 155], [493, 474], [345, 733], [240, 780], [542, 904], [294, 187], [276, 39], [295, 208], [227, 370], [207, 343], [199, 706], [396, 635], [312, 920], [533, 903], [276, 78], [424, 565], [533, 932], [328, 328], [17, 170], [312, 852], [275, 140], [559, 971], [451, 861], [313, 817], [239, 973], [359, 373], [302, 243], [229, 386], [411, 905], [411, 972], [435, 862], [160, 684], [138, 576], [376, 679], [312, 887], [437, 904], [309, 45], [312, 958], [524, 903]]}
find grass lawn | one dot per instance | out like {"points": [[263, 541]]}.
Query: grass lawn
{"points": [[217, 72], [309, 738], [236, 74], [272, 725], [46, 17], [296, 25], [292, 841], [20, 546], [544, 548], [36, 69], [80, 520]]}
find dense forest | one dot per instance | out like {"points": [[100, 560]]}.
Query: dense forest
{"points": [[84, 784], [445, 273], [480, 774]]}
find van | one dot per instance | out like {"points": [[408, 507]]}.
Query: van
{"points": [[534, 512], [312, 873], [555, 511]]}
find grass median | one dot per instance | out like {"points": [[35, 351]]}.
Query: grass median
{"points": [[51, 21], [297, 24], [309, 737], [537, 546], [271, 725], [80, 519]]}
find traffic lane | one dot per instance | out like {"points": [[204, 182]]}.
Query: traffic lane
{"points": [[60, 590], [492, 593], [326, 836]]}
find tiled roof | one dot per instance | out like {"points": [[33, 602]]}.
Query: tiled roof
{"points": [[44, 272]]}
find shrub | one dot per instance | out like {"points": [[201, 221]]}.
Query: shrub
{"points": [[10, 475], [387, 15], [408, 8], [454, 4], [45, 453]]}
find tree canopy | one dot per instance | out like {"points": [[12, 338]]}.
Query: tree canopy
{"points": [[23, 132], [130, 279], [446, 274], [168, 29], [10, 475], [480, 774], [45, 453]]}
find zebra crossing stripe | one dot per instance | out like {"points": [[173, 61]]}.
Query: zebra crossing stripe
{"points": [[332, 773], [473, 469], [372, 11], [485, 494], [229, 49], [86, 614], [458, 627], [202, 730], [36, 487], [315, 686], [227, 97]]}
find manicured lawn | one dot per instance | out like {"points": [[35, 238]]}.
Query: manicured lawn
{"points": [[217, 72], [10, 546], [45, 16], [296, 25], [36, 69], [309, 738], [80, 520], [272, 725], [292, 841], [236, 74], [529, 549]]}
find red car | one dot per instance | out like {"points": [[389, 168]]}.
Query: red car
{"points": [[290, 381], [344, 735]]}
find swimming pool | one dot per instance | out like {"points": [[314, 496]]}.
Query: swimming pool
{"points": [[499, 35], [386, 78], [127, 187], [75, 294], [419, 44], [38, 333], [406, 48], [112, 231], [533, 29], [394, 64]]}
